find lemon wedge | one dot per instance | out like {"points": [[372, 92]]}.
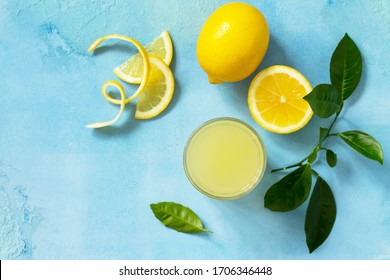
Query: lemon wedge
{"points": [[131, 70], [158, 91], [275, 99]]}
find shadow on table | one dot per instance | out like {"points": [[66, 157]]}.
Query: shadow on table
{"points": [[125, 127]]}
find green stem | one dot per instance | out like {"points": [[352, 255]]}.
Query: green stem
{"points": [[299, 163], [290, 166], [317, 148], [334, 121]]}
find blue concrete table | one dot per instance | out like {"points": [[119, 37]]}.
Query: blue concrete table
{"points": [[67, 192]]}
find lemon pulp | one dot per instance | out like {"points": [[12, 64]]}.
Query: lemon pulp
{"points": [[275, 99], [225, 158]]}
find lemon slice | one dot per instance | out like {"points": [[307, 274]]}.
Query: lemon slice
{"points": [[158, 91], [131, 70], [275, 99]]}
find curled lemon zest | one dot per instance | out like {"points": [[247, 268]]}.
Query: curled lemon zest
{"points": [[116, 84], [123, 101]]}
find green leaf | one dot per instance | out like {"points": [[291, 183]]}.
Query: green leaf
{"points": [[290, 192], [323, 133], [363, 143], [178, 217], [325, 100], [331, 158], [346, 67], [320, 215]]}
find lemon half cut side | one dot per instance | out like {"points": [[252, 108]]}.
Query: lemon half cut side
{"points": [[275, 99]]}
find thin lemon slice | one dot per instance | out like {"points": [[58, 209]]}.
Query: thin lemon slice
{"points": [[275, 99], [158, 91], [131, 70]]}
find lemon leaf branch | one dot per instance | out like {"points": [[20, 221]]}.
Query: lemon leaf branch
{"points": [[316, 148], [325, 100]]}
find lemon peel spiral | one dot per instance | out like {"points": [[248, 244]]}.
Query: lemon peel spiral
{"points": [[123, 101], [116, 84]]}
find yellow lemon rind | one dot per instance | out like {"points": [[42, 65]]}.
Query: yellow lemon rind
{"points": [[123, 101], [232, 43], [122, 105]]}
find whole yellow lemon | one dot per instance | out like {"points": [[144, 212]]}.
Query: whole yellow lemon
{"points": [[232, 42]]}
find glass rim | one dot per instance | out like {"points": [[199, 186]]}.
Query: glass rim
{"points": [[260, 176]]}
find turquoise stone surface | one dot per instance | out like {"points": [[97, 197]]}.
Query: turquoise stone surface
{"points": [[68, 192]]}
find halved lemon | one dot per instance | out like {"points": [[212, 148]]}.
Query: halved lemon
{"points": [[275, 99], [158, 91], [131, 70]]}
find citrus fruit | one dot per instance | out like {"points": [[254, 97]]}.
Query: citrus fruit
{"points": [[275, 99], [232, 42], [158, 91], [131, 70]]}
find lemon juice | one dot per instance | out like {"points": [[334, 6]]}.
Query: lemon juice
{"points": [[224, 158]]}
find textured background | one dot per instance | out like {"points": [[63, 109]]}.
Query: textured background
{"points": [[67, 192]]}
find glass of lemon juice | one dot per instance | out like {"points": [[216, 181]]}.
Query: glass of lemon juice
{"points": [[225, 158]]}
